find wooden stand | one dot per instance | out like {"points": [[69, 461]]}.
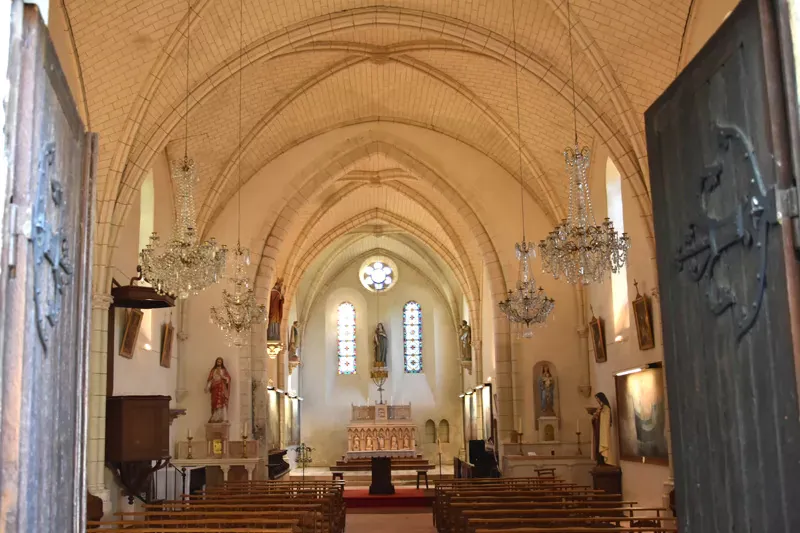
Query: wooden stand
{"points": [[381, 476], [607, 478]]}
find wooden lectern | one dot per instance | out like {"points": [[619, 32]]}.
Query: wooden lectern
{"points": [[381, 476]]}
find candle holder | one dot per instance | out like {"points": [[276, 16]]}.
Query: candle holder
{"points": [[244, 446], [189, 451], [519, 441], [578, 434]]}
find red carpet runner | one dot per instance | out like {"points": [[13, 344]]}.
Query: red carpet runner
{"points": [[359, 498]]}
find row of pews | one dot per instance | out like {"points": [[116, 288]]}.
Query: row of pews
{"points": [[241, 507], [543, 504]]}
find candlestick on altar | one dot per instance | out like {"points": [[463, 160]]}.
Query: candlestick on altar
{"points": [[578, 434], [189, 451], [244, 446], [519, 441]]}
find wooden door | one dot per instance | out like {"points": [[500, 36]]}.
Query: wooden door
{"points": [[45, 290], [717, 144]]}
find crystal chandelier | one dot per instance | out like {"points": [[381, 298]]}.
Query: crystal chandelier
{"points": [[239, 310], [183, 266], [578, 249], [526, 304]]}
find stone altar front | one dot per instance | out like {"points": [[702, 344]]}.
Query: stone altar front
{"points": [[381, 431]]}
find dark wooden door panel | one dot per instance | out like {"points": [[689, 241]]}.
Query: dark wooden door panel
{"points": [[727, 326], [47, 286]]}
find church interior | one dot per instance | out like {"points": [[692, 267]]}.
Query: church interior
{"points": [[388, 256]]}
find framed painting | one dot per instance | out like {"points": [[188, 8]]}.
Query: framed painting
{"points": [[644, 322], [132, 325], [166, 345], [641, 415], [597, 329]]}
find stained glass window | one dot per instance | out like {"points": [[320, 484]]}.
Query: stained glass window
{"points": [[346, 337], [412, 338]]}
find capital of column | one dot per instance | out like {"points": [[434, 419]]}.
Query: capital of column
{"points": [[102, 301]]}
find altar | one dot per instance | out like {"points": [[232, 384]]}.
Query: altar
{"points": [[381, 431]]}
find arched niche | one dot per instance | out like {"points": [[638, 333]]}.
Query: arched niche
{"points": [[539, 395]]}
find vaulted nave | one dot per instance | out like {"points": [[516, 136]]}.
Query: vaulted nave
{"points": [[383, 265]]}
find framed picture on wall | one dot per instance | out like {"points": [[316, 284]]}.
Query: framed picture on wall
{"points": [[132, 325], [641, 415], [166, 345], [597, 329], [644, 322]]}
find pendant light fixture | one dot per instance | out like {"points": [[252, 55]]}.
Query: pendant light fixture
{"points": [[183, 266], [526, 304], [578, 249], [239, 311]]}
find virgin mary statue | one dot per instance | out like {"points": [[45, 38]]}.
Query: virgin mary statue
{"points": [[381, 345], [219, 385]]}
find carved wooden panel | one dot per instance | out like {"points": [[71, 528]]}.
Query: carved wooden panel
{"points": [[728, 345], [46, 255]]}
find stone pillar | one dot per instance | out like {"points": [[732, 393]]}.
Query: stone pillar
{"points": [[98, 360]]}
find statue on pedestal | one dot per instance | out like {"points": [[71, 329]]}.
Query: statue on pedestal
{"points": [[547, 384], [275, 311], [219, 385], [601, 430], [465, 336], [381, 342], [294, 341]]}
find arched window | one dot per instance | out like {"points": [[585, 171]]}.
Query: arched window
{"points": [[444, 430], [619, 281], [430, 431], [346, 337], [412, 338]]}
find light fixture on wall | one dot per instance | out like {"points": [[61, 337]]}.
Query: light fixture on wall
{"points": [[183, 266], [526, 304], [239, 311], [578, 249]]}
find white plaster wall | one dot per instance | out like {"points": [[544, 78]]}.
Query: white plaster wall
{"points": [[328, 396], [705, 18]]}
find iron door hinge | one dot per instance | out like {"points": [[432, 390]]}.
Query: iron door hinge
{"points": [[787, 209]]}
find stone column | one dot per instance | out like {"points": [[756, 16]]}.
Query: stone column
{"points": [[98, 360]]}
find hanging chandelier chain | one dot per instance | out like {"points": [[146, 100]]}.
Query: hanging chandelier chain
{"points": [[572, 75], [239, 151], [519, 120], [188, 51]]}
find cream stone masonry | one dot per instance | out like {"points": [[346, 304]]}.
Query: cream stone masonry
{"points": [[374, 126]]}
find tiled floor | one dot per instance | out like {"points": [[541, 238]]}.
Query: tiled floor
{"points": [[390, 523]]}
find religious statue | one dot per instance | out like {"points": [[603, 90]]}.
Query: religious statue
{"points": [[275, 311], [356, 444], [547, 385], [219, 385], [601, 430], [394, 443], [465, 336], [406, 443], [294, 340], [381, 345], [370, 446]]}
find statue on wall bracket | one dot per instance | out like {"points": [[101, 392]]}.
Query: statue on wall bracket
{"points": [[293, 350], [219, 385], [465, 345], [275, 311]]}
